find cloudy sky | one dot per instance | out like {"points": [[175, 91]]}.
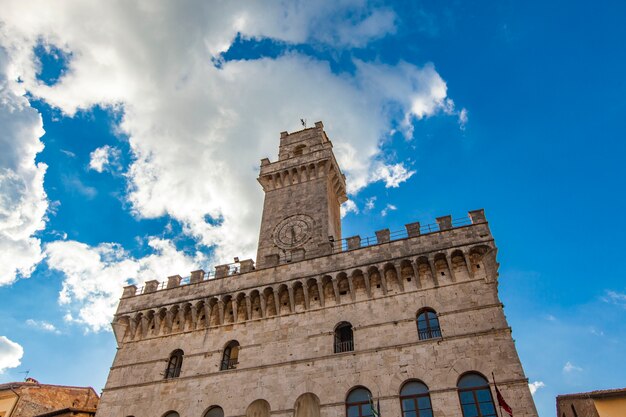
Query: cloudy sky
{"points": [[131, 134]]}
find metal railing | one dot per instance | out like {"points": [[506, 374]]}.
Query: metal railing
{"points": [[229, 364], [432, 333], [337, 247], [173, 372], [347, 346], [342, 245], [233, 269]]}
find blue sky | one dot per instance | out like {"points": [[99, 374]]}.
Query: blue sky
{"points": [[155, 119]]}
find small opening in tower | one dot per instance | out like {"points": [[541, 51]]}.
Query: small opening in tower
{"points": [[477, 266], [299, 150], [443, 274], [343, 292], [409, 279], [377, 285]]}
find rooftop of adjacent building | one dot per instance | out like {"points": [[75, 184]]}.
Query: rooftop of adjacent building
{"points": [[607, 393], [33, 399], [31, 383]]}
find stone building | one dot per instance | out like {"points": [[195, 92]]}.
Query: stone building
{"points": [[407, 322], [30, 399], [604, 403]]}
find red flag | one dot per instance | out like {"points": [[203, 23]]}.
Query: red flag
{"points": [[503, 403]]}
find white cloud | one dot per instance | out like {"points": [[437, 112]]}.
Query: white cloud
{"points": [[614, 297], [42, 325], [534, 386], [596, 332], [387, 209], [105, 158], [349, 207], [369, 203], [94, 276], [23, 201], [10, 354], [392, 175], [222, 120], [67, 153], [463, 118], [570, 367]]}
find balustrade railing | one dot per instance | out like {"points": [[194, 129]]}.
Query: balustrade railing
{"points": [[432, 333], [229, 364], [342, 245], [347, 346]]}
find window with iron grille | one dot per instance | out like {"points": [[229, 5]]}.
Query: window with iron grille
{"points": [[344, 341], [428, 324]]}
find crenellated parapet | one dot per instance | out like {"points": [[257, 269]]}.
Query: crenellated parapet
{"points": [[236, 293], [304, 156]]}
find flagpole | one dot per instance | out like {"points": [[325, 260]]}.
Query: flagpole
{"points": [[496, 385]]}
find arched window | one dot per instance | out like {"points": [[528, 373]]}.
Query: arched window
{"points": [[174, 364], [415, 400], [171, 414], [428, 324], [359, 403], [344, 341], [214, 411], [307, 405], [231, 356], [258, 408], [475, 396]]}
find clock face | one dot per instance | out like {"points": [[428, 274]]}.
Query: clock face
{"points": [[293, 231]]}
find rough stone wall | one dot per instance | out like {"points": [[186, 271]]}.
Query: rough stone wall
{"points": [[285, 356], [38, 399]]}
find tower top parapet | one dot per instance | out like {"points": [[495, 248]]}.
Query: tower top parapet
{"points": [[304, 190]]}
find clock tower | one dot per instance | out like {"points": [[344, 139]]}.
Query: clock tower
{"points": [[303, 192]]}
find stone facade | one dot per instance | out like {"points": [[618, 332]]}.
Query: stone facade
{"points": [[283, 314]]}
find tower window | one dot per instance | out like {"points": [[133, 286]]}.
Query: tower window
{"points": [[428, 324], [174, 364], [475, 396], [344, 341], [230, 359]]}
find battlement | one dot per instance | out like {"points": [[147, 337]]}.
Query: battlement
{"points": [[241, 269]]}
